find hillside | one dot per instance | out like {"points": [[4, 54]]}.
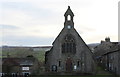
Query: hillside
{"points": [[38, 52], [20, 52]]}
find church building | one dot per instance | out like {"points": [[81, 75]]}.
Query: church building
{"points": [[69, 52]]}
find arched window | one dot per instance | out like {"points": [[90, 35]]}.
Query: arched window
{"points": [[69, 45], [68, 17]]}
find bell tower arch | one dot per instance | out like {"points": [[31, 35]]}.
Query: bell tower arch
{"points": [[69, 19]]}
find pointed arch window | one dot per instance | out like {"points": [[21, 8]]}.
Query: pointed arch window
{"points": [[69, 45], [68, 17]]}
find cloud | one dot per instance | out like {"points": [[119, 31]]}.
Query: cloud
{"points": [[44, 19], [8, 27], [27, 14], [26, 40]]}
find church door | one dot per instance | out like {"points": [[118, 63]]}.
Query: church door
{"points": [[69, 65]]}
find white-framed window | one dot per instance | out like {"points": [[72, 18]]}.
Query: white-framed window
{"points": [[25, 68], [0, 74]]}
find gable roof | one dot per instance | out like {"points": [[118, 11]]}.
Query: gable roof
{"points": [[18, 61], [65, 33]]}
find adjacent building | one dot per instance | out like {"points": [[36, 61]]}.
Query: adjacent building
{"points": [[20, 66], [107, 55]]}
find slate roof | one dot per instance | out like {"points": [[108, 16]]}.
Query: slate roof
{"points": [[110, 47], [18, 61]]}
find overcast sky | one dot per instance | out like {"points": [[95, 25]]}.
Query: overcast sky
{"points": [[38, 22]]}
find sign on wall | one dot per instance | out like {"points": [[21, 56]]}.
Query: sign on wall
{"points": [[25, 68]]}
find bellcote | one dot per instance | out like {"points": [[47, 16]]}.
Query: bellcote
{"points": [[69, 18], [69, 12]]}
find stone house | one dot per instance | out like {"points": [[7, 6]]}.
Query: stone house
{"points": [[20, 66], [107, 55], [69, 52]]}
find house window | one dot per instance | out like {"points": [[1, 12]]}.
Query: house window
{"points": [[25, 68], [110, 66], [111, 57], [69, 45], [26, 74], [0, 74], [14, 74], [3, 74]]}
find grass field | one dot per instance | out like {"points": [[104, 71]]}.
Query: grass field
{"points": [[40, 55], [19, 53]]}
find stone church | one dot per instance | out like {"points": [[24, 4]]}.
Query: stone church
{"points": [[69, 52]]}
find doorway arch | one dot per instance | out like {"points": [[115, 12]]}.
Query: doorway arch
{"points": [[69, 65]]}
